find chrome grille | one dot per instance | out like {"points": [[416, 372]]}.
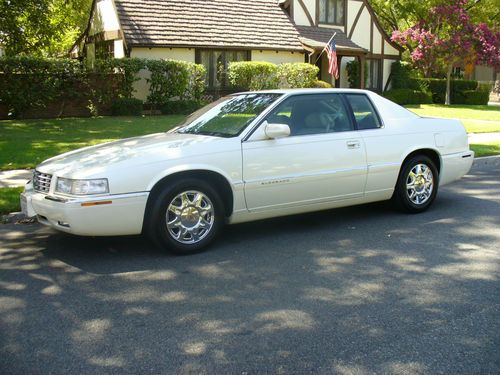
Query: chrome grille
{"points": [[41, 182]]}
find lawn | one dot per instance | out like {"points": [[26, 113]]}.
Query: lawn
{"points": [[486, 149], [25, 143], [476, 118], [9, 200]]}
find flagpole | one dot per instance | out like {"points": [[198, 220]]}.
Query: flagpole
{"points": [[333, 36]]}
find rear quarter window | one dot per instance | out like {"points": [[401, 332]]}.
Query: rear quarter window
{"points": [[364, 112]]}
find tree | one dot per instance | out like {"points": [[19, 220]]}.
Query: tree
{"points": [[402, 14], [446, 37], [41, 27]]}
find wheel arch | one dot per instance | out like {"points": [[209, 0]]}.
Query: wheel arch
{"points": [[217, 180], [431, 153]]}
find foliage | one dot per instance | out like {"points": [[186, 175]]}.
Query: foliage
{"points": [[42, 27], [128, 68], [9, 200], [402, 14], [260, 75], [178, 80], [126, 107], [297, 75], [353, 73], [30, 82], [32, 141], [322, 84], [437, 87], [479, 97], [180, 107], [408, 96], [446, 36], [253, 75]]}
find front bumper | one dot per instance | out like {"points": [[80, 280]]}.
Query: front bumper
{"points": [[109, 215]]}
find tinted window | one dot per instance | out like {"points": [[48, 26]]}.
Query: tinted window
{"points": [[312, 114], [365, 114], [228, 116]]}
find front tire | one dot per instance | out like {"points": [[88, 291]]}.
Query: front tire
{"points": [[417, 184], [185, 217]]}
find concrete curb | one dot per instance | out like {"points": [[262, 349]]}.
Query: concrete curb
{"points": [[486, 160]]}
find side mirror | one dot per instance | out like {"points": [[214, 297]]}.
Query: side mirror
{"points": [[277, 130]]}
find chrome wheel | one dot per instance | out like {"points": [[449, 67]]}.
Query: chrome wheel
{"points": [[419, 184], [190, 217]]}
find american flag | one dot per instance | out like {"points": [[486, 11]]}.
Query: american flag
{"points": [[331, 52]]}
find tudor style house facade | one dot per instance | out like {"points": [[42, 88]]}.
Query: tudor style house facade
{"points": [[217, 32]]}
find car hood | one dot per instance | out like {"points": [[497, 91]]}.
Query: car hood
{"points": [[94, 160]]}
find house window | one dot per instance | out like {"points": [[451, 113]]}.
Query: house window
{"points": [[216, 63], [105, 50], [374, 79], [331, 12]]}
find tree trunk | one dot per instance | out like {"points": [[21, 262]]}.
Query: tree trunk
{"points": [[448, 85]]}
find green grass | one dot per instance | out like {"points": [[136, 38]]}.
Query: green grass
{"points": [[486, 149], [9, 200], [476, 118], [25, 143]]}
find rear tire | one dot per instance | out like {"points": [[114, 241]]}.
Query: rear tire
{"points": [[417, 184], [185, 216]]}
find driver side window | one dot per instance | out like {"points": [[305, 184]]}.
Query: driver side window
{"points": [[312, 114]]}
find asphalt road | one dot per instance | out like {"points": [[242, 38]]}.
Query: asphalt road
{"points": [[350, 291]]}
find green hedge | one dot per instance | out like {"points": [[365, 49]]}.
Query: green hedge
{"points": [[260, 75], [354, 74], [180, 107], [126, 107], [473, 97], [408, 96], [175, 80], [30, 84], [438, 88]]}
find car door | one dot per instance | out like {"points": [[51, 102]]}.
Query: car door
{"points": [[322, 160]]}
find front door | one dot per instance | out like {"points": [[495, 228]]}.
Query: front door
{"points": [[322, 160]]}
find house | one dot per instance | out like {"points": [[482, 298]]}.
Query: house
{"points": [[216, 32]]}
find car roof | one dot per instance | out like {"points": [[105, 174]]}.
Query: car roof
{"points": [[308, 91]]}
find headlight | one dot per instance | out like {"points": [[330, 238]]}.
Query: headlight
{"points": [[82, 187]]}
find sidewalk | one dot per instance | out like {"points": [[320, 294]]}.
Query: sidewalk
{"points": [[19, 177], [15, 178]]}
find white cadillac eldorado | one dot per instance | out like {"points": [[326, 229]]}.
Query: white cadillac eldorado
{"points": [[246, 157]]}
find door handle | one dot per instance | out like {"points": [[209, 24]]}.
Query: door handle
{"points": [[353, 144]]}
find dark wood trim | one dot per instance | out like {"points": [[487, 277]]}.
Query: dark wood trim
{"points": [[306, 11], [105, 35], [379, 28], [382, 46], [241, 48], [379, 56], [346, 15], [371, 36], [362, 72], [355, 23]]}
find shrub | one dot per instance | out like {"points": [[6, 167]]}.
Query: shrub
{"points": [[476, 97], [408, 96], [253, 75], [128, 68], [180, 107], [297, 75], [438, 89], [401, 74], [322, 84], [354, 74], [126, 107], [178, 80]]}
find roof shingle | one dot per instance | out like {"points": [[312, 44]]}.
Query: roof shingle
{"points": [[317, 37], [256, 24]]}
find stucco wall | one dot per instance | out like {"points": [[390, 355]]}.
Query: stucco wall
{"points": [[104, 18], [299, 16], [483, 73], [277, 57], [183, 54]]}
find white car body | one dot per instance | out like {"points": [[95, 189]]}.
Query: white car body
{"points": [[265, 177]]}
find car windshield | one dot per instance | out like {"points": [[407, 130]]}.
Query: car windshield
{"points": [[228, 116]]}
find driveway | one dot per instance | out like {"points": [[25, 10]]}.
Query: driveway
{"points": [[351, 291]]}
